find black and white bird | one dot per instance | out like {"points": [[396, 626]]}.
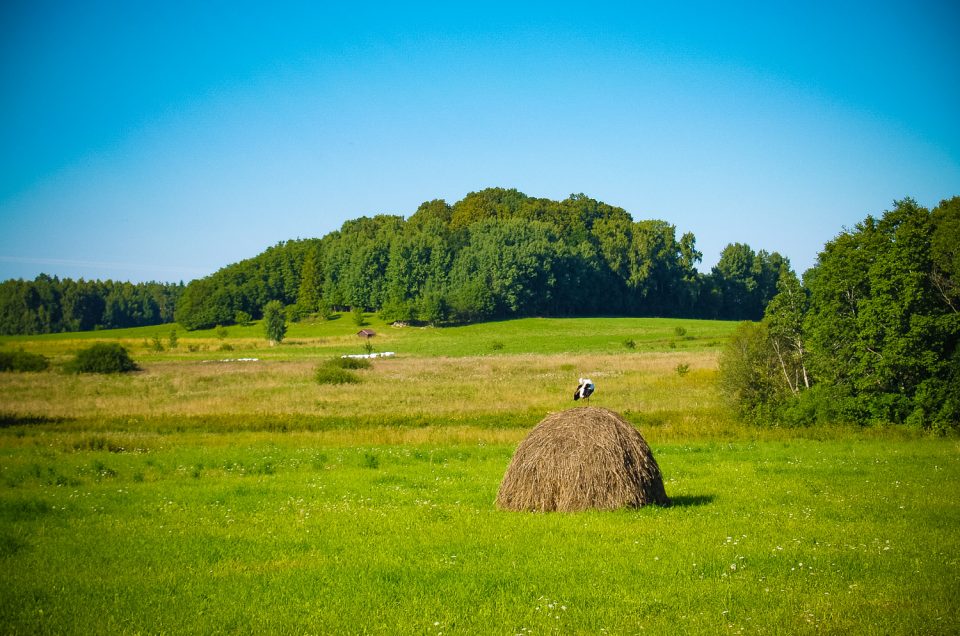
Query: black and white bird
{"points": [[584, 389]]}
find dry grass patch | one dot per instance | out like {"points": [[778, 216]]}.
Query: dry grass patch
{"points": [[431, 391]]}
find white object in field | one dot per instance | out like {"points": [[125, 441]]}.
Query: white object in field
{"points": [[385, 354]]}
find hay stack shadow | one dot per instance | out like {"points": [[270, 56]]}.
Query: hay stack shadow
{"points": [[579, 459]]}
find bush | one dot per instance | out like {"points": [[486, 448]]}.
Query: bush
{"points": [[748, 374], [324, 310], [329, 374], [358, 318], [350, 363], [105, 357], [156, 344], [22, 361], [338, 370]]}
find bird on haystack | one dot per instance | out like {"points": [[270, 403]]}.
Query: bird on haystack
{"points": [[584, 389]]}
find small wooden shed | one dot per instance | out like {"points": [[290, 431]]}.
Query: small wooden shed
{"points": [[366, 333]]}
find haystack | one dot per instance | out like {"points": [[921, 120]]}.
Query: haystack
{"points": [[582, 458]]}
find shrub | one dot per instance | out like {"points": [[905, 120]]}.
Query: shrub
{"points": [[682, 369], [22, 361], [324, 310], [295, 312], [329, 374], [104, 357], [338, 370], [630, 343], [358, 318], [679, 331], [350, 363]]}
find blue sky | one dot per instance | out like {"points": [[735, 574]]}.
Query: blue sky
{"points": [[162, 141]]}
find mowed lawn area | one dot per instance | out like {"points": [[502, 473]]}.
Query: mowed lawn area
{"points": [[204, 496]]}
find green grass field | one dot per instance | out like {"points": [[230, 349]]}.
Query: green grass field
{"points": [[214, 497]]}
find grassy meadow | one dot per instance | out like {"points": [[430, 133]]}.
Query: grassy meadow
{"points": [[205, 496]]}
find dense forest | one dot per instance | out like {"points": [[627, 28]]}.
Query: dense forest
{"points": [[871, 334], [495, 254], [51, 305]]}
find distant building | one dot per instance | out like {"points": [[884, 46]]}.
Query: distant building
{"points": [[366, 333]]}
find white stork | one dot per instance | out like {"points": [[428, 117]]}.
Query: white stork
{"points": [[584, 389]]}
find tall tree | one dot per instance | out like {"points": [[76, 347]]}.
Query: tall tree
{"points": [[945, 252], [784, 318], [274, 321], [308, 296], [879, 330]]}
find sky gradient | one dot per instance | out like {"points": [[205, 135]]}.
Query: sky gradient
{"points": [[162, 141]]}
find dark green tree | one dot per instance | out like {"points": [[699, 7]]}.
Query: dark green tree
{"points": [[945, 252], [881, 332], [308, 296]]}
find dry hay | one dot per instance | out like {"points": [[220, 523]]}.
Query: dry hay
{"points": [[582, 458]]}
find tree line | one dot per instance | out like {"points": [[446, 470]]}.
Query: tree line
{"points": [[51, 305], [495, 254], [871, 334]]}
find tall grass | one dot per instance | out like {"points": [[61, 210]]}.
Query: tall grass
{"points": [[431, 391]]}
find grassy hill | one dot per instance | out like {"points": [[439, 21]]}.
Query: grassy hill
{"points": [[313, 337]]}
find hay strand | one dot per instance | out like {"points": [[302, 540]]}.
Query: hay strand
{"points": [[579, 459]]}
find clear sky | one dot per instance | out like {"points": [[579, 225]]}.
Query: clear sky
{"points": [[164, 140]]}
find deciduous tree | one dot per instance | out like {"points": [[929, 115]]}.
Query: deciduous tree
{"points": [[274, 321]]}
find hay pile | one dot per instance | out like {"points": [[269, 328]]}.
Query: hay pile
{"points": [[582, 458]]}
